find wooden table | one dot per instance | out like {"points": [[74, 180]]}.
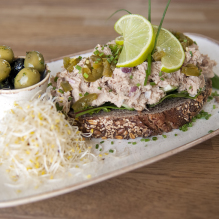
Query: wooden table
{"points": [[185, 185]]}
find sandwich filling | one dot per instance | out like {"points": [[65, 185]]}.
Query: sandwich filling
{"points": [[125, 87]]}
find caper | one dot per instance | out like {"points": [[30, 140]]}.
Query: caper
{"points": [[35, 60], [190, 70], [84, 102], [6, 53], [5, 69], [26, 77], [107, 71]]}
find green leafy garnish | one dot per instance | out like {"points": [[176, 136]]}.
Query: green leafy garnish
{"points": [[106, 108], [215, 81], [174, 95]]}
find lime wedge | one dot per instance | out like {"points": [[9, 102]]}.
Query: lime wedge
{"points": [[174, 54], [119, 40], [138, 36]]}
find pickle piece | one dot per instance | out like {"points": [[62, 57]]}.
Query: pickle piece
{"points": [[107, 71], [84, 102], [92, 75], [66, 62], [183, 39], [66, 86], [69, 63], [158, 55], [190, 70]]}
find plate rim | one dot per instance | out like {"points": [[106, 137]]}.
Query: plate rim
{"points": [[80, 185]]}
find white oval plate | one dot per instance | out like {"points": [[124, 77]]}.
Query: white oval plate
{"points": [[138, 155]]}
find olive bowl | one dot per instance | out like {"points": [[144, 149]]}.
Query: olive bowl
{"points": [[8, 97]]}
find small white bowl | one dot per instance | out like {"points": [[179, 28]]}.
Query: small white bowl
{"points": [[9, 97]]}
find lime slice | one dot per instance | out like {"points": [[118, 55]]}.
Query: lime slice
{"points": [[119, 40], [138, 36], [174, 54]]}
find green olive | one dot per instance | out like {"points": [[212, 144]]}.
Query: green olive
{"points": [[35, 60], [26, 77], [84, 102], [6, 53], [190, 70], [5, 69]]}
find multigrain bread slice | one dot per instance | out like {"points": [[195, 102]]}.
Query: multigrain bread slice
{"points": [[124, 124]]}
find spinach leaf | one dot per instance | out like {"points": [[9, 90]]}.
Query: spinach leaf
{"points": [[215, 81], [106, 108], [174, 95]]}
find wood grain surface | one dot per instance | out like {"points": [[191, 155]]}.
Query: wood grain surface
{"points": [[185, 185]]}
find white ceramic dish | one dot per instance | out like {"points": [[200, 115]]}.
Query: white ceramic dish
{"points": [[8, 97], [138, 155]]}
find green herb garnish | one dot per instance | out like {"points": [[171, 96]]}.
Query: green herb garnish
{"points": [[56, 78], [50, 84], [86, 94], [101, 142], [97, 146], [154, 138], [59, 108], [78, 68], [152, 83], [164, 136], [111, 151], [100, 88], [85, 75], [191, 53], [61, 91]]}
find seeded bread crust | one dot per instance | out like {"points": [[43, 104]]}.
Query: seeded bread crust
{"points": [[123, 124]]}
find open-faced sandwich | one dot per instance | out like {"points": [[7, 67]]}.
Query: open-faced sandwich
{"points": [[148, 81]]}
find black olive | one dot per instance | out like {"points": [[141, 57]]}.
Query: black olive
{"points": [[6, 84], [16, 66]]}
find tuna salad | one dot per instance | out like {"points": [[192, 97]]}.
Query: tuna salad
{"points": [[124, 87]]}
